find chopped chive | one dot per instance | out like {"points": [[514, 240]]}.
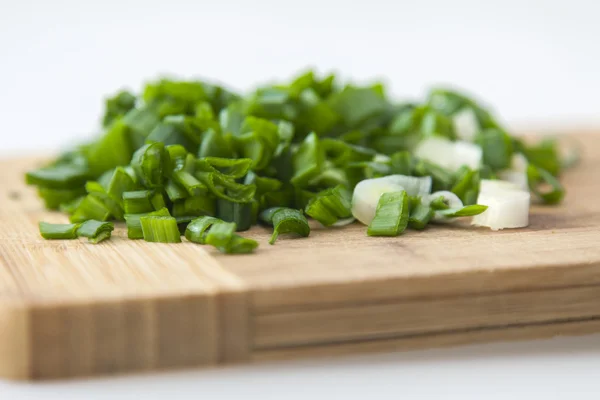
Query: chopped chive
{"points": [[544, 185], [391, 216], [330, 205], [138, 202], [467, 211], [187, 181], [90, 208], [286, 220], [134, 224], [239, 213], [220, 233], [197, 228], [160, 229], [58, 231], [419, 216], [54, 198], [95, 231], [147, 162]]}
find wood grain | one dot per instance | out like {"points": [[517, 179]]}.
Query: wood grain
{"points": [[69, 308]]}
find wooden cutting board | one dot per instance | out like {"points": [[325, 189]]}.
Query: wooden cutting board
{"points": [[69, 308]]}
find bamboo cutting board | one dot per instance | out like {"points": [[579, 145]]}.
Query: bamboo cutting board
{"points": [[69, 308]]}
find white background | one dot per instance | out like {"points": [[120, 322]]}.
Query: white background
{"points": [[536, 62]]}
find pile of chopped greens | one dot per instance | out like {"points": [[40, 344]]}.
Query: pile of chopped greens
{"points": [[196, 159]]}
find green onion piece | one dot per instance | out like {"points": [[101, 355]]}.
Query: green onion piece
{"points": [[160, 229], [70, 206], [239, 213], [139, 201], [442, 179], [356, 105], [467, 211], [117, 106], [439, 203], [419, 217], [95, 231], [176, 156], [195, 206], [58, 177], [466, 186], [113, 149], [175, 192], [226, 188], [266, 216], [98, 191], [147, 163], [391, 216], [544, 185], [220, 234], [401, 163], [307, 161], [90, 208], [234, 169], [287, 220], [239, 245], [54, 198], [134, 224], [189, 182], [543, 155], [197, 228], [497, 147], [214, 144], [58, 231], [330, 205], [120, 182]]}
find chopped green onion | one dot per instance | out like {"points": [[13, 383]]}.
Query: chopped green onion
{"points": [[307, 161], [196, 230], [239, 213], [59, 177], [90, 208], [138, 202], [391, 216], [189, 182], [286, 220], [419, 217], [220, 233], [58, 231], [54, 198], [539, 179], [148, 163], [330, 205], [160, 229], [95, 231], [497, 148], [467, 211], [134, 224]]}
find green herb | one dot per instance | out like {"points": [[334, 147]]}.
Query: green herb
{"points": [[391, 216], [58, 231], [330, 205], [183, 152], [467, 211], [95, 231], [160, 229], [544, 185], [285, 220]]}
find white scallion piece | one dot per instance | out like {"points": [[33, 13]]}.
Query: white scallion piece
{"points": [[466, 125], [508, 205], [517, 173], [448, 154]]}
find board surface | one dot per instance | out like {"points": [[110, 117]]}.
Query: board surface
{"points": [[69, 308]]}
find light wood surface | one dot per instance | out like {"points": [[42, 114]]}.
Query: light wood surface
{"points": [[69, 308]]}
